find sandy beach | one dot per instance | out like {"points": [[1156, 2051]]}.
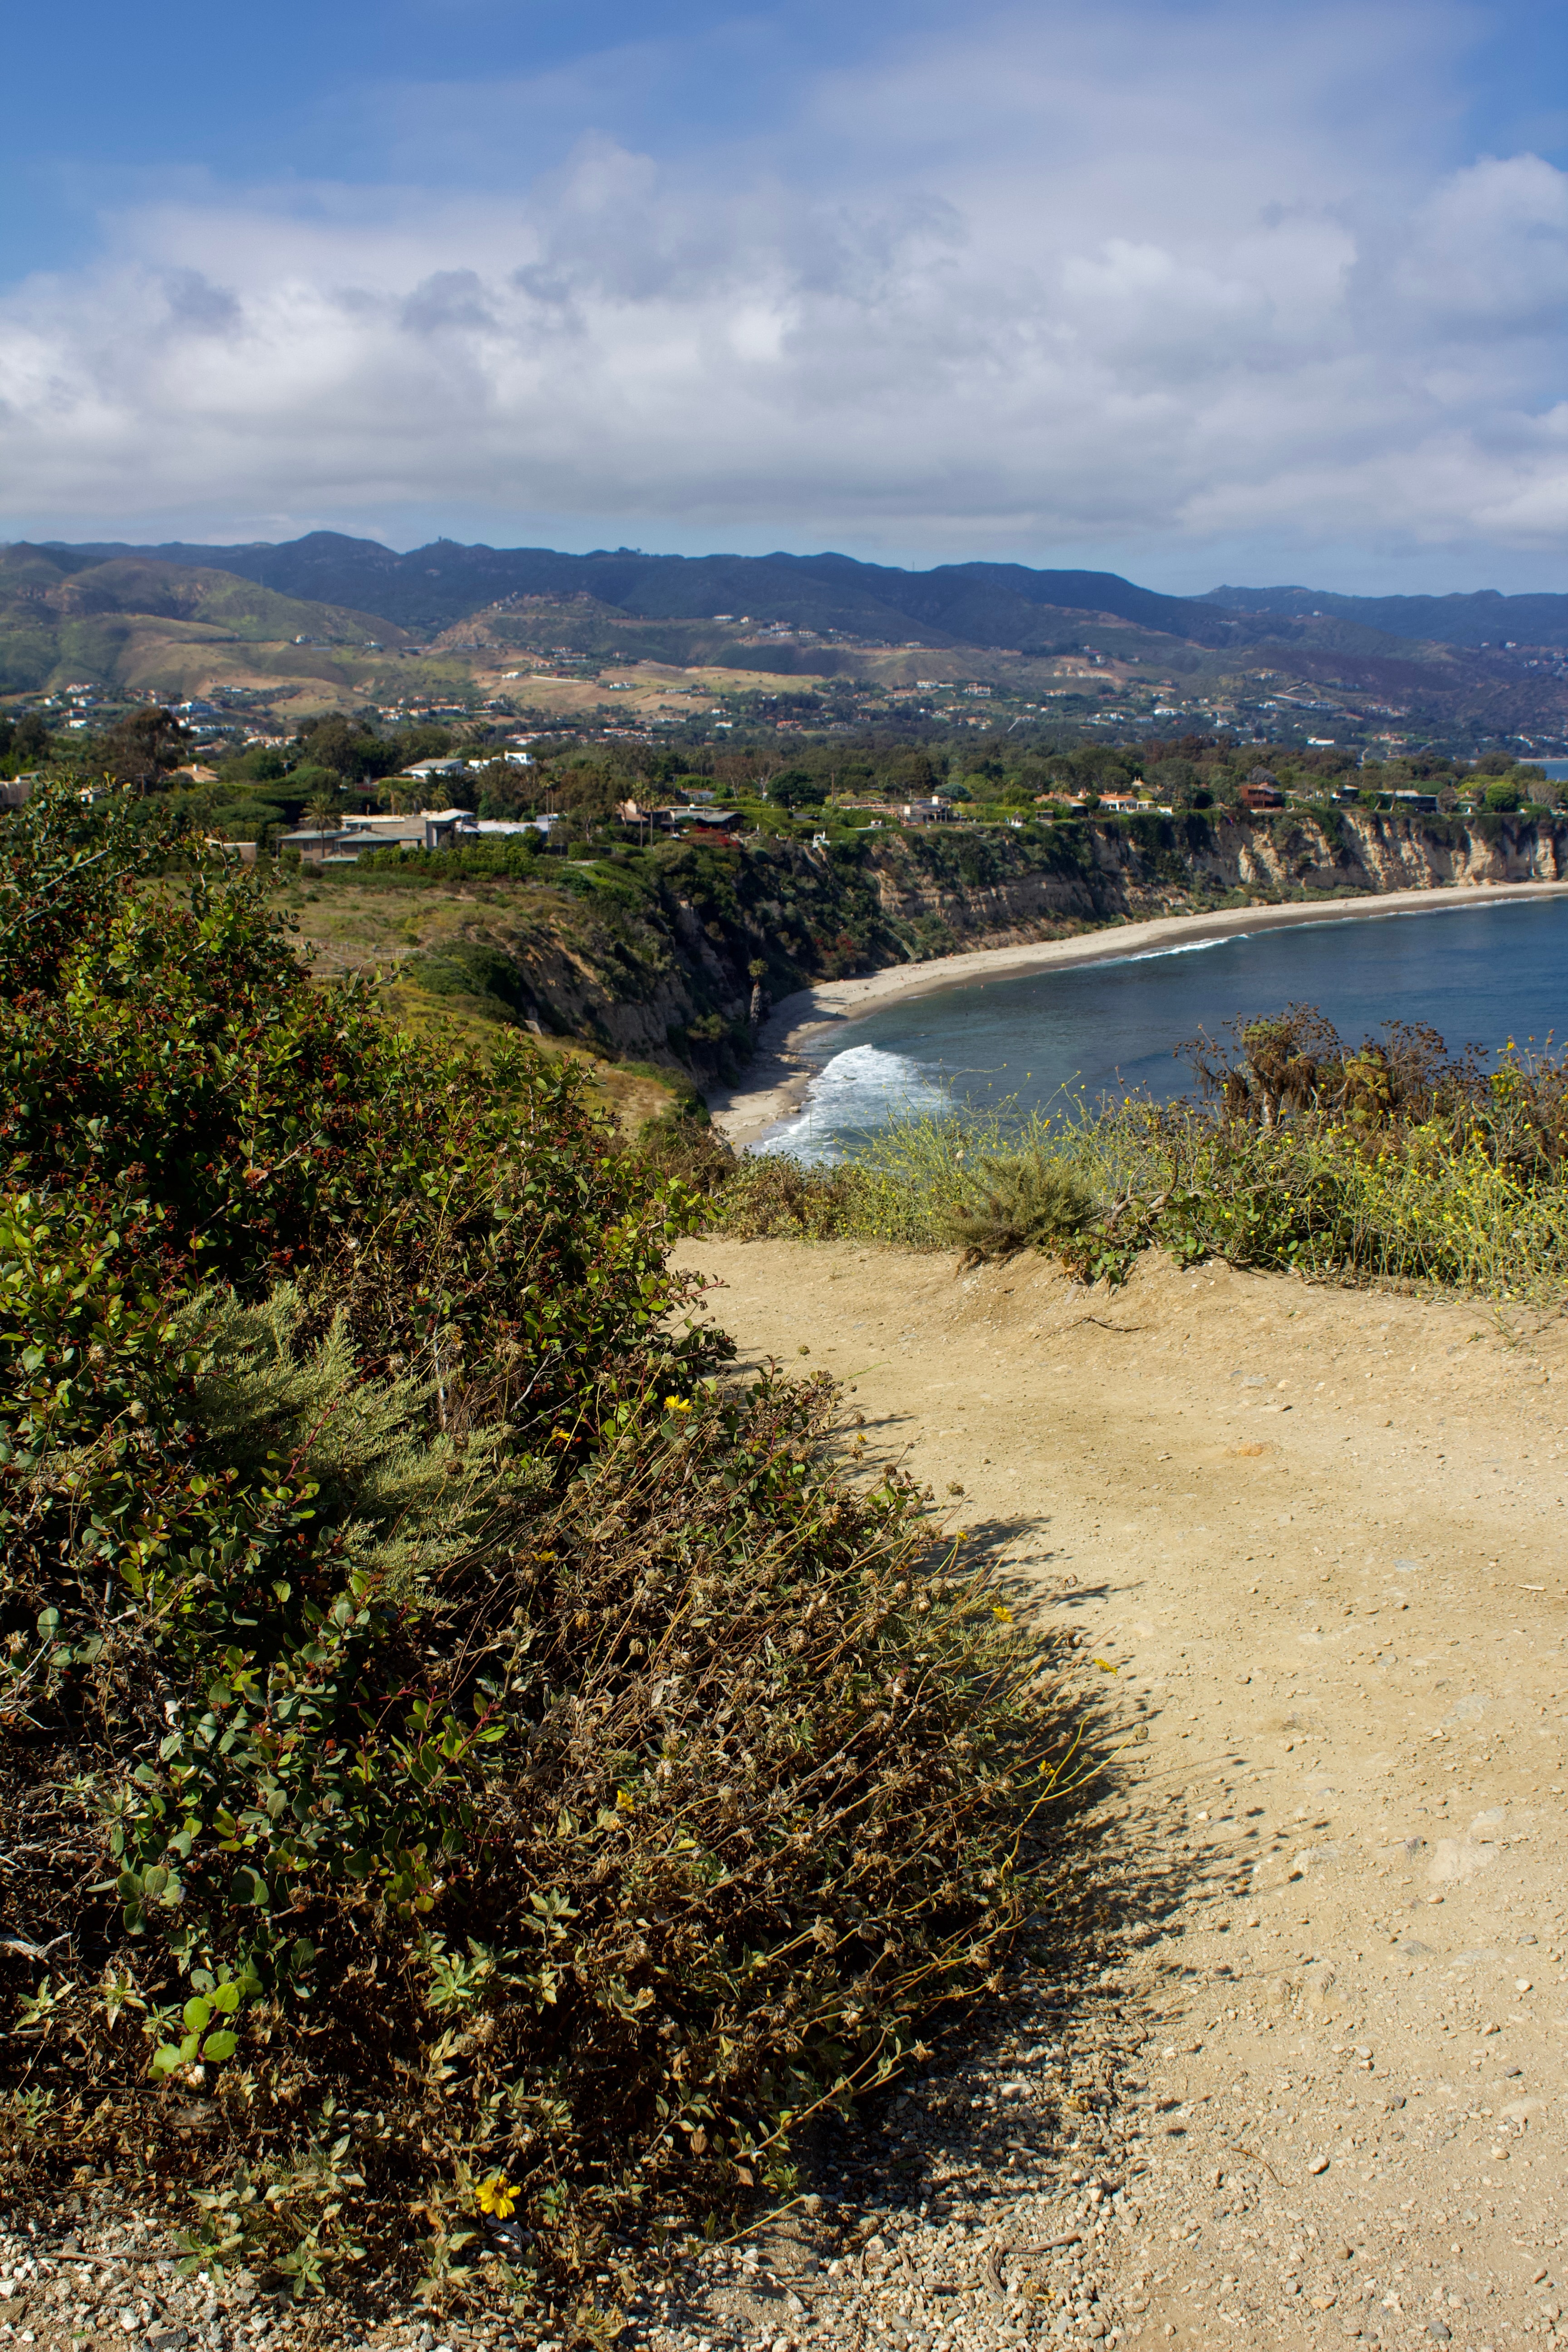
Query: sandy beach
{"points": [[776, 1081]]}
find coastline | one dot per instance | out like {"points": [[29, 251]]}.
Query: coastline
{"points": [[776, 1083]]}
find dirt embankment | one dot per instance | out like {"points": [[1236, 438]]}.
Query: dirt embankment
{"points": [[1320, 1535]]}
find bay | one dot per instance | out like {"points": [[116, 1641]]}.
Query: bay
{"points": [[1479, 975]]}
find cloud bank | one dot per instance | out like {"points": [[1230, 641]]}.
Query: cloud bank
{"points": [[1172, 282]]}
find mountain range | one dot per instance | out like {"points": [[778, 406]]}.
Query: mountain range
{"points": [[327, 615], [999, 604]]}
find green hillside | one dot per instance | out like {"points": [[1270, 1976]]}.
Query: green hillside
{"points": [[65, 620]]}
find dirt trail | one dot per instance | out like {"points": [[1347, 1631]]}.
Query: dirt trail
{"points": [[1321, 1535]]}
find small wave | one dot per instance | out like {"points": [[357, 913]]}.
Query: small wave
{"points": [[858, 1090], [1189, 947]]}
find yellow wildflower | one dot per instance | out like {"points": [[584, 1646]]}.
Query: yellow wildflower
{"points": [[677, 1404], [497, 2195]]}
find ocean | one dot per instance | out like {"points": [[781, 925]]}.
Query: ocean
{"points": [[1479, 975]]}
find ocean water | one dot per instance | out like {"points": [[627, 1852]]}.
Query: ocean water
{"points": [[1479, 974]]}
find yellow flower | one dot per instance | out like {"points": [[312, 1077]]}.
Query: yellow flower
{"points": [[497, 2195], [677, 1404], [1002, 1616]]}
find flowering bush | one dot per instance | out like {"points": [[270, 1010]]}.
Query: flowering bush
{"points": [[462, 1747]]}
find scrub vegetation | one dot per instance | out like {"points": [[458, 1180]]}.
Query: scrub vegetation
{"points": [[477, 1776], [1391, 1161]]}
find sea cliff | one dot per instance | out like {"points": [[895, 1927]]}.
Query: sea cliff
{"points": [[672, 956]]}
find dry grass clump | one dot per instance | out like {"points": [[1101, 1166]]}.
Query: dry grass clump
{"points": [[1027, 1201]]}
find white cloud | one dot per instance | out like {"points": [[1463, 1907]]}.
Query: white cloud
{"points": [[1168, 280]]}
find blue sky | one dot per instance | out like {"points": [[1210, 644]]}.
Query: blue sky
{"points": [[1200, 293]]}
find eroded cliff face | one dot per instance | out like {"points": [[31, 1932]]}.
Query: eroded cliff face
{"points": [[661, 965], [939, 889], [1395, 852]]}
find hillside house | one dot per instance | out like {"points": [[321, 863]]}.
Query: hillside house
{"points": [[342, 845], [422, 771], [936, 811]]}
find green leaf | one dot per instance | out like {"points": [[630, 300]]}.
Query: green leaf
{"points": [[165, 2060], [249, 1887], [197, 2015], [225, 1999], [220, 2045]]}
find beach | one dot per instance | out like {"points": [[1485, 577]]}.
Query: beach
{"points": [[777, 1080]]}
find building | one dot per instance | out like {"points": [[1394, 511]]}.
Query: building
{"points": [[935, 810], [1262, 796], [422, 771], [704, 824], [341, 846]]}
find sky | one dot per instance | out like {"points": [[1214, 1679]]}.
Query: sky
{"points": [[1190, 290]]}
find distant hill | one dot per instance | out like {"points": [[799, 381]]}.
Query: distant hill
{"points": [[174, 617], [967, 603], [124, 620], [1486, 617]]}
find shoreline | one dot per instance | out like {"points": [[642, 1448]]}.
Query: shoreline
{"points": [[776, 1083]]}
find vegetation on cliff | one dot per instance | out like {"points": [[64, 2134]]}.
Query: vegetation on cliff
{"points": [[475, 1775], [664, 953]]}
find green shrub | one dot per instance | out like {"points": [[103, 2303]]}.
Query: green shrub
{"points": [[1025, 1201], [487, 977], [482, 1754], [1387, 1161]]}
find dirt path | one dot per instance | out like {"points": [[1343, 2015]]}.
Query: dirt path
{"points": [[1321, 1535]]}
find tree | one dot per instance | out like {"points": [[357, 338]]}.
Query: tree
{"points": [[1177, 781], [141, 748], [795, 789], [353, 753], [24, 741], [262, 764], [504, 790], [1503, 794]]}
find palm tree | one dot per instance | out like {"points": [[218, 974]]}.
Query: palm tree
{"points": [[321, 815]]}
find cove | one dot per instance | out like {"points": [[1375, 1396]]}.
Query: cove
{"points": [[1479, 975]]}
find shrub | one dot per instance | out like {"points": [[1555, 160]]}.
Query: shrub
{"points": [[1022, 1202], [461, 1750]]}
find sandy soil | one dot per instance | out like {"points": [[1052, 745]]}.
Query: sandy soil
{"points": [[1320, 1535], [776, 1080]]}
